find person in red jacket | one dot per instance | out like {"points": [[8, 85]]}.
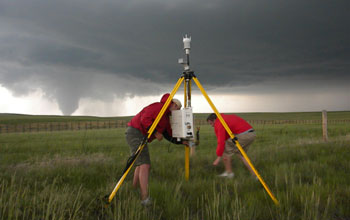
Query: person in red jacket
{"points": [[225, 147], [136, 132]]}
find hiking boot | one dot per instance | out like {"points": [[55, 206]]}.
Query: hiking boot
{"points": [[146, 202], [227, 175]]}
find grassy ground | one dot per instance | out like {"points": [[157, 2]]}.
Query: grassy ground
{"points": [[64, 175]]}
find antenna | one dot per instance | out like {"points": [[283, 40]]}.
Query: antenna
{"points": [[187, 47]]}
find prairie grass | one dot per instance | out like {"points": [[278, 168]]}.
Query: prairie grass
{"points": [[65, 175]]}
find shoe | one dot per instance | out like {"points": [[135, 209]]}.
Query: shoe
{"points": [[227, 175], [146, 202]]}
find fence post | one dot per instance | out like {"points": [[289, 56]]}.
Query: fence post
{"points": [[324, 125]]}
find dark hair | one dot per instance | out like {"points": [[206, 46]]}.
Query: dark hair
{"points": [[212, 117]]}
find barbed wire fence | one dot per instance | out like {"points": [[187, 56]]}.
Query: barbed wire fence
{"points": [[112, 124]]}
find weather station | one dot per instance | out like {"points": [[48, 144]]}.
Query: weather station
{"points": [[182, 120], [182, 124]]}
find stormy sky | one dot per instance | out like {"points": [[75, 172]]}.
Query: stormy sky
{"points": [[111, 57]]}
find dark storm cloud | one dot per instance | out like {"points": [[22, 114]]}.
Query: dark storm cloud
{"points": [[67, 47]]}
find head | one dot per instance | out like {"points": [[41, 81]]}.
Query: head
{"points": [[211, 119], [175, 105]]}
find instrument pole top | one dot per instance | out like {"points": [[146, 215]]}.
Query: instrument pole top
{"points": [[187, 44]]}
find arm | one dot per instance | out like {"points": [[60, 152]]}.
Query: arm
{"points": [[171, 139], [148, 117], [158, 135], [221, 139]]}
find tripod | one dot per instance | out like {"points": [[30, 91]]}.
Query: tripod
{"points": [[187, 77]]}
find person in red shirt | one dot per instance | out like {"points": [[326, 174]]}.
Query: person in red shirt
{"points": [[244, 133], [137, 131]]}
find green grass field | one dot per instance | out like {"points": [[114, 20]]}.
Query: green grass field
{"points": [[64, 175]]}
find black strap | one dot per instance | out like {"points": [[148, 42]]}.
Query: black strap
{"points": [[171, 139], [133, 157]]}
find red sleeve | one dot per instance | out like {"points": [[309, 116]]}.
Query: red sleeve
{"points": [[168, 128], [150, 114], [221, 137], [147, 118], [162, 125]]}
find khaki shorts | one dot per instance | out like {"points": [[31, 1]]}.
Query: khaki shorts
{"points": [[134, 137], [244, 139]]}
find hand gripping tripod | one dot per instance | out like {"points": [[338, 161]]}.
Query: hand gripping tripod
{"points": [[187, 77]]}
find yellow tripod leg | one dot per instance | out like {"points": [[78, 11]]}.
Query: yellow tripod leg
{"points": [[121, 180], [187, 148], [187, 163], [193, 148], [150, 131], [237, 143]]}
